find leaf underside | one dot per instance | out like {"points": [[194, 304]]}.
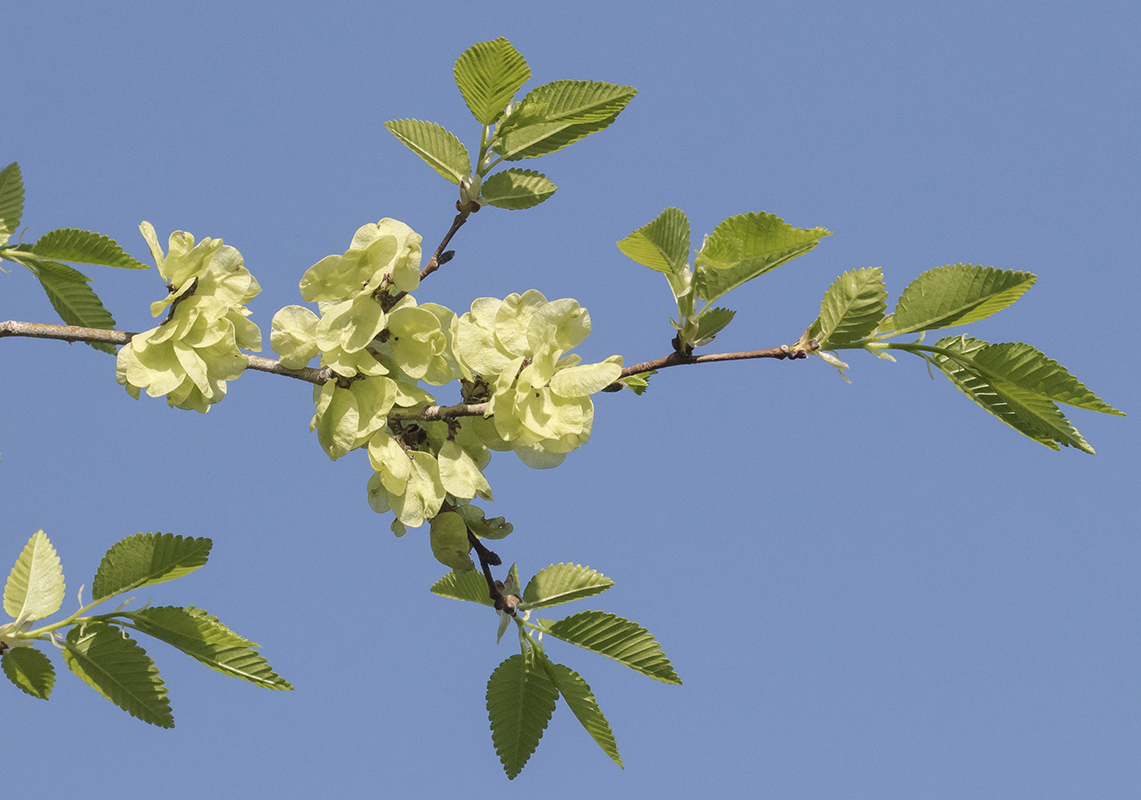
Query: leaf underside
{"points": [[30, 670], [852, 307], [74, 300], [614, 637], [201, 636], [661, 245], [558, 114], [580, 699], [521, 698], [1025, 410], [439, 148], [114, 665], [470, 586]]}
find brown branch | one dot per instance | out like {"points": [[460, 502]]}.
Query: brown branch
{"points": [[676, 359]]}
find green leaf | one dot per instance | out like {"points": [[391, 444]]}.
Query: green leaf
{"points": [[201, 636], [449, 541], [1028, 412], [481, 526], [746, 246], [440, 148], [558, 114], [11, 201], [580, 699], [620, 639], [470, 586], [562, 583], [30, 670], [661, 245], [84, 247], [35, 585], [515, 189], [639, 382], [712, 322], [146, 559], [852, 307], [520, 700], [114, 665], [957, 294], [488, 75], [75, 301], [1030, 369]]}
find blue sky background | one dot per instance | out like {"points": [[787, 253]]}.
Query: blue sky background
{"points": [[870, 591]]}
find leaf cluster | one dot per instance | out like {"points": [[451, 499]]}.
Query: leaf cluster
{"points": [[67, 288], [547, 119], [523, 691], [97, 647]]}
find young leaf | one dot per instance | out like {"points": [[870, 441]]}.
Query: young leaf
{"points": [[639, 382], [581, 701], [488, 75], [146, 559], [1028, 412], [201, 636], [470, 586], [520, 700], [746, 246], [558, 114], [711, 323], [620, 639], [852, 307], [957, 294], [30, 670], [114, 665], [11, 201], [84, 247], [661, 245], [439, 147], [75, 301], [515, 189], [562, 583], [35, 585]]}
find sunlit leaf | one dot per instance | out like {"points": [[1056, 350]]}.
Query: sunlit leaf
{"points": [[1028, 412], [440, 148], [1031, 369], [35, 585], [201, 636], [661, 245], [488, 75], [558, 114], [84, 247], [711, 323], [520, 700], [146, 559], [957, 294], [562, 583], [620, 639], [575, 690], [114, 665], [746, 246], [515, 189], [11, 201], [470, 586], [30, 670], [852, 307]]}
